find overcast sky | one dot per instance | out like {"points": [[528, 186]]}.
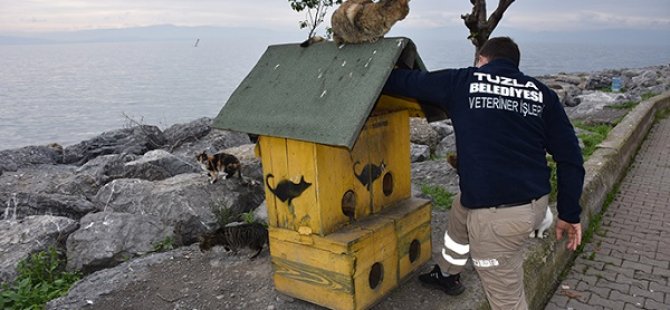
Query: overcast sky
{"points": [[561, 15]]}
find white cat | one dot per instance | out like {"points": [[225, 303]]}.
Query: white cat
{"points": [[546, 223]]}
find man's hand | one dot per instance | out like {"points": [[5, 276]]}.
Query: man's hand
{"points": [[574, 233]]}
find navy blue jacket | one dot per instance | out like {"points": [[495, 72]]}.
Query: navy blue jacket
{"points": [[505, 122]]}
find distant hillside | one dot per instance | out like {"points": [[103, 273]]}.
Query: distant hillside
{"points": [[150, 33], [181, 33]]}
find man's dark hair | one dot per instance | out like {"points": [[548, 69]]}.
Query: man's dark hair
{"points": [[501, 47]]}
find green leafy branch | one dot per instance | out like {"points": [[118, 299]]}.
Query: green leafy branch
{"points": [[315, 11]]}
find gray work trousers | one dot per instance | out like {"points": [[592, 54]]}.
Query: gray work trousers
{"points": [[493, 238]]}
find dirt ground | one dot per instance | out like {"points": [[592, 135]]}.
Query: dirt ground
{"points": [[222, 280]]}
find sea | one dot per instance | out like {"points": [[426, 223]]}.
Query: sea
{"points": [[66, 93]]}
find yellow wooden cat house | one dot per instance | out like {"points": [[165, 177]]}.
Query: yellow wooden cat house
{"points": [[344, 227]]}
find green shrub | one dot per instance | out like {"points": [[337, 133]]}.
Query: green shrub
{"points": [[164, 245], [41, 277], [553, 179], [596, 134], [223, 214], [646, 96], [441, 197], [248, 217], [624, 106]]}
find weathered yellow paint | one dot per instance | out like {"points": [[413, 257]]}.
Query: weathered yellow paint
{"points": [[265, 143], [301, 164], [319, 253], [318, 294], [365, 295], [388, 141], [411, 218], [337, 262], [334, 270], [333, 179], [360, 154], [408, 214], [421, 234], [332, 172], [391, 104]]}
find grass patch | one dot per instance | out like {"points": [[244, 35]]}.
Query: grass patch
{"points": [[624, 106], [592, 256], [662, 114], [223, 214], [587, 235], [41, 277], [596, 134], [647, 96], [441, 198], [596, 221], [164, 245], [553, 179]]}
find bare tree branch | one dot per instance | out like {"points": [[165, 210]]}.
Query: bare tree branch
{"points": [[497, 15], [479, 25]]}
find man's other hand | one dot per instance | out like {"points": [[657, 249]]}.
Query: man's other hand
{"points": [[574, 232]]}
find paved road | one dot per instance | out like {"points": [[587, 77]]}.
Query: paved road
{"points": [[626, 265]]}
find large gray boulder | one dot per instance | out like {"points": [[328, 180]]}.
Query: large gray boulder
{"points": [[443, 128], [418, 152], [179, 134], [215, 141], [648, 78], [567, 93], [594, 104], [21, 205], [106, 239], [49, 179], [601, 80], [157, 165], [106, 168], [13, 159], [446, 146], [187, 201], [87, 292], [420, 132], [19, 239], [434, 172], [135, 140]]}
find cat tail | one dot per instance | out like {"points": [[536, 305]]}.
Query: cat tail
{"points": [[267, 183], [312, 40]]}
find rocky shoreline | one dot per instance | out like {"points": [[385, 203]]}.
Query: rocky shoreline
{"points": [[108, 203]]}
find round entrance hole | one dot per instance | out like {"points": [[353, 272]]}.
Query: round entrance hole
{"points": [[376, 275], [387, 184], [414, 250], [349, 204]]}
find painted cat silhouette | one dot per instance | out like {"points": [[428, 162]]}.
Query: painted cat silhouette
{"points": [[369, 174], [287, 190]]}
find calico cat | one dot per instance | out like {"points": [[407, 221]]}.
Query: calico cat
{"points": [[250, 235], [546, 223], [287, 190], [369, 173], [358, 21], [220, 162]]}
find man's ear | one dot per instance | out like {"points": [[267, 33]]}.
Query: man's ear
{"points": [[481, 60]]}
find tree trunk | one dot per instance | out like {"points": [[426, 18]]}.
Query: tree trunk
{"points": [[480, 27]]}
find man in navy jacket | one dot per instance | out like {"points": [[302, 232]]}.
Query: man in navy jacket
{"points": [[505, 122]]}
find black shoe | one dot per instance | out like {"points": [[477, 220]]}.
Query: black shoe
{"points": [[451, 285]]}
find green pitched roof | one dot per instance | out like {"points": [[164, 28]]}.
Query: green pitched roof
{"points": [[322, 93]]}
